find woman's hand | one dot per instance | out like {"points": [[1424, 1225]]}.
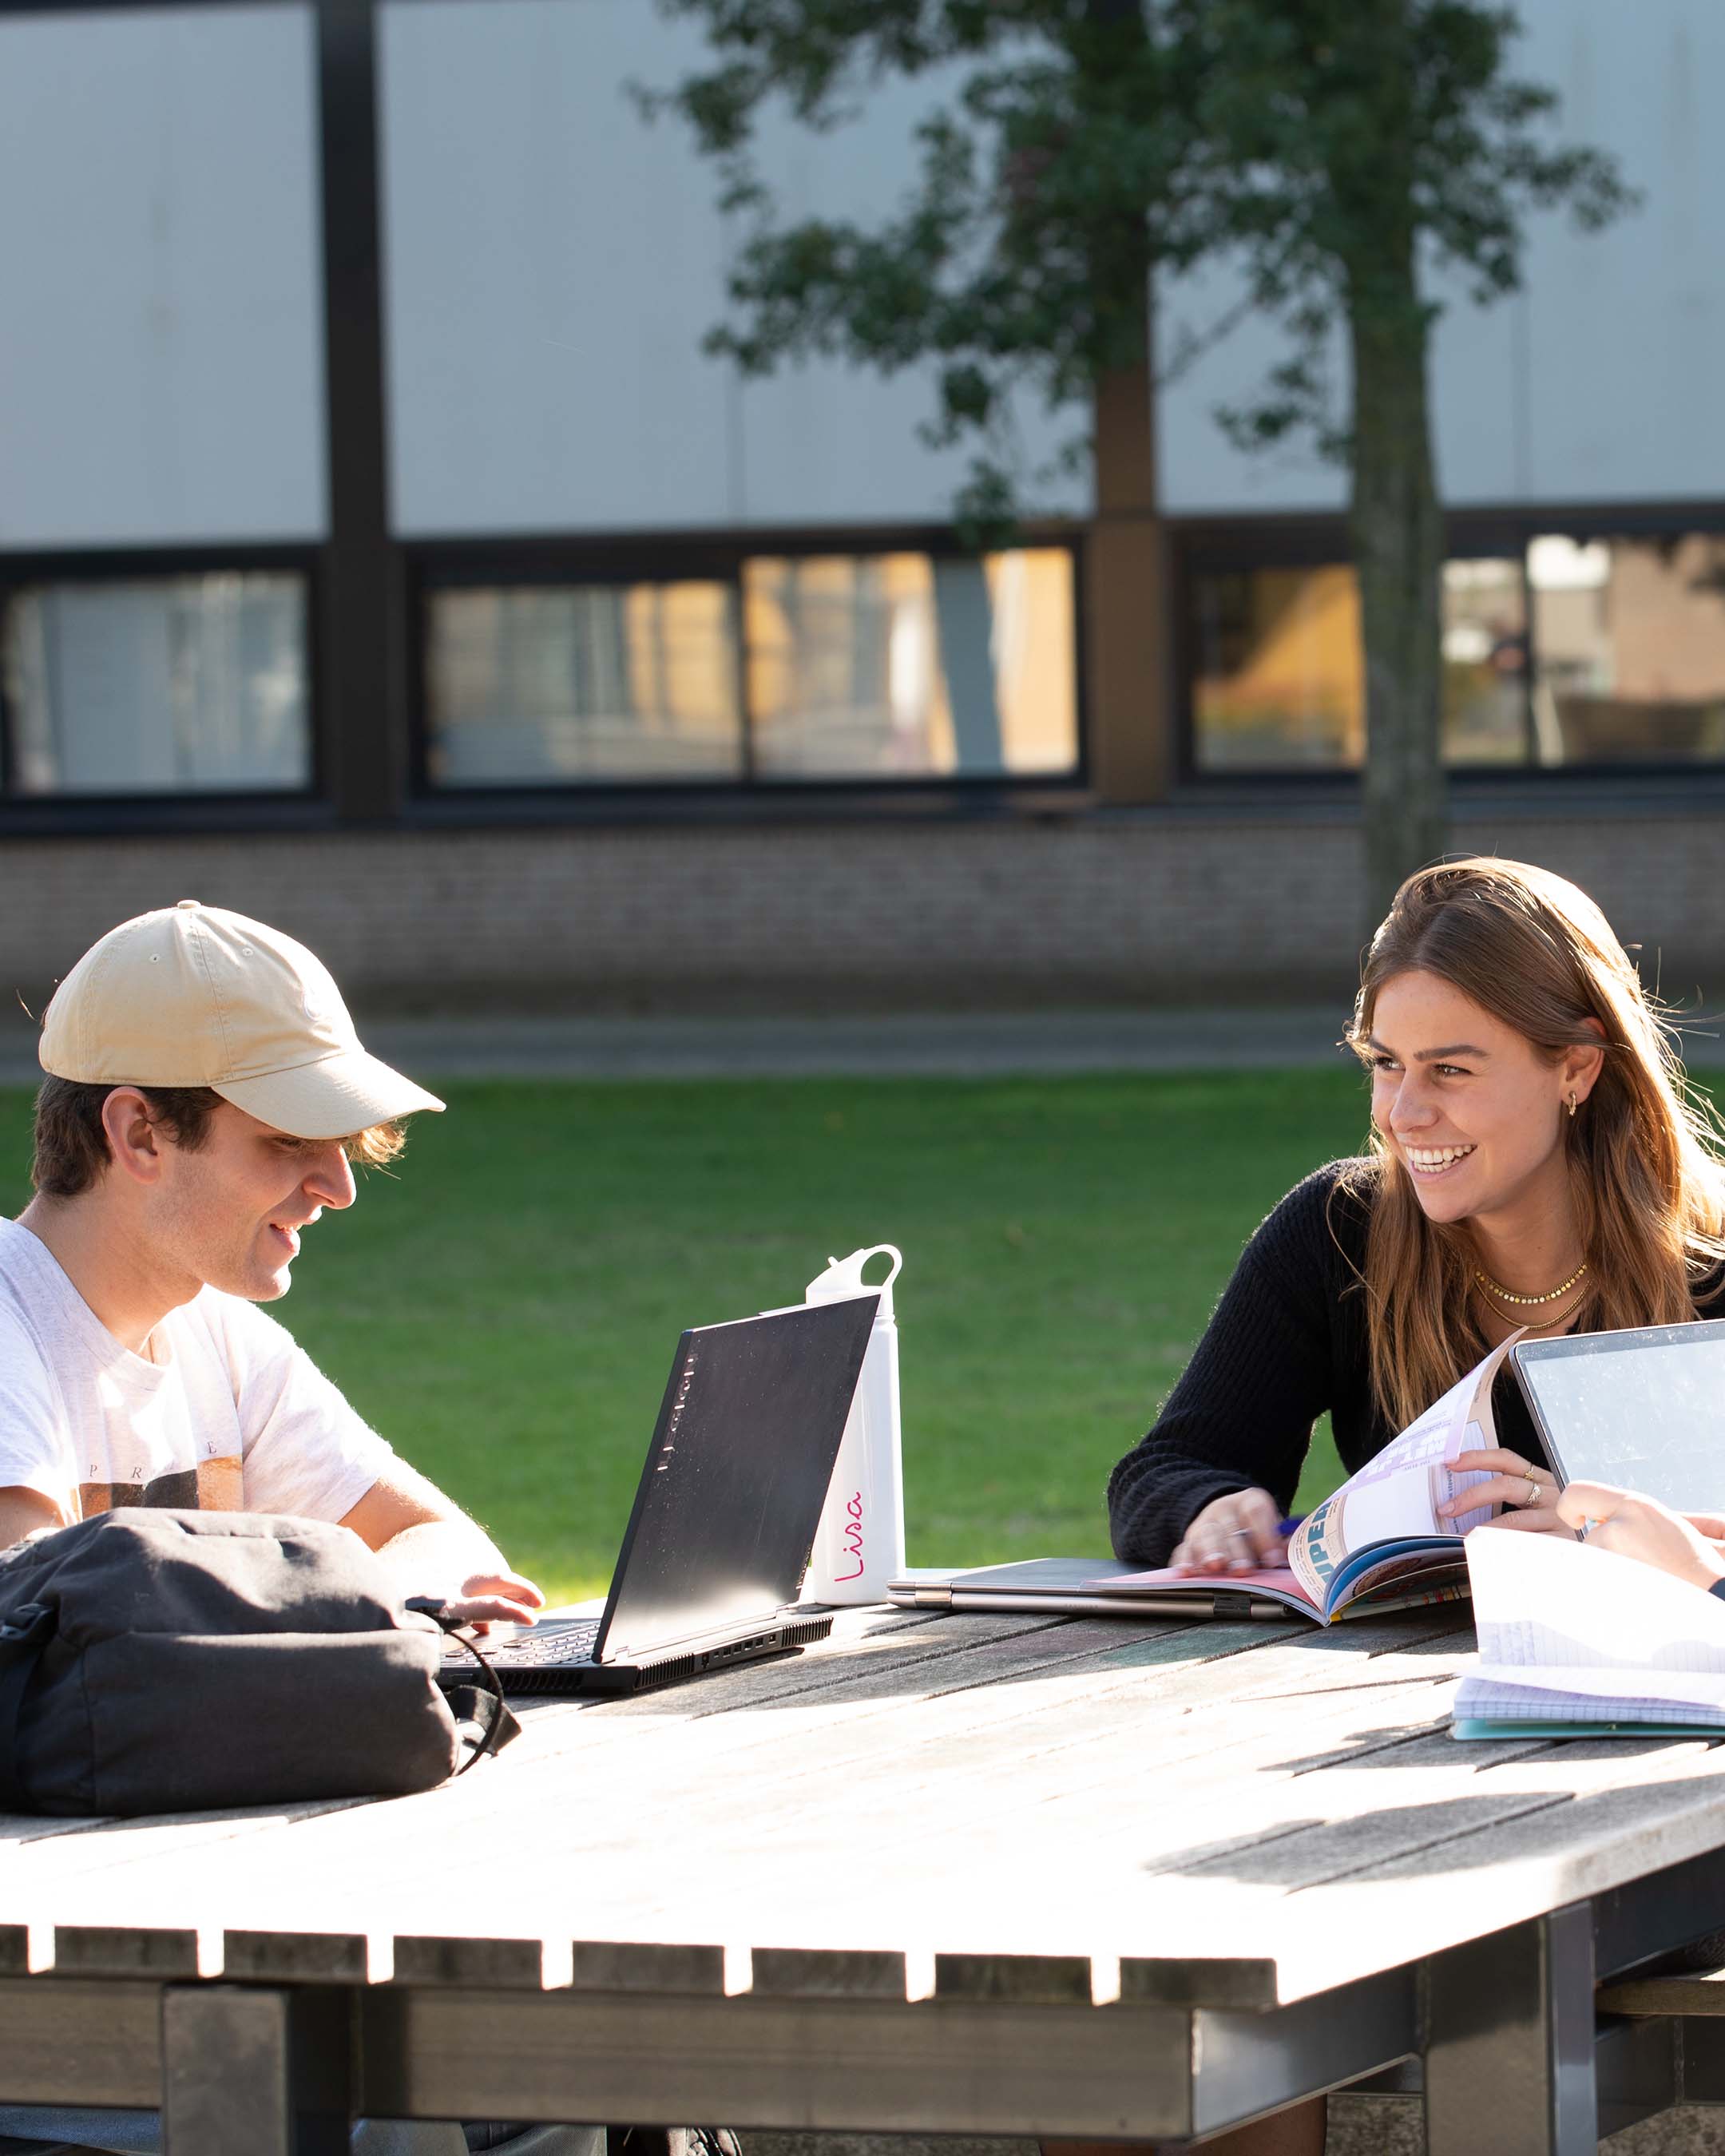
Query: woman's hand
{"points": [[1240, 1532], [1642, 1527], [1530, 1492]]}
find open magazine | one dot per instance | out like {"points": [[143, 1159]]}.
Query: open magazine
{"points": [[1576, 1641], [1376, 1543]]}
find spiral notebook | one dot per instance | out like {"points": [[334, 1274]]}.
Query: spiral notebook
{"points": [[1576, 1641]]}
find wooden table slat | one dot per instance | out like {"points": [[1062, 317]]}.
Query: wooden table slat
{"points": [[124, 1950], [649, 1965], [828, 1972], [1697, 1992], [1054, 1979], [296, 1957]]}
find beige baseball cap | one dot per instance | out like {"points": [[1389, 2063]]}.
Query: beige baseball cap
{"points": [[190, 995]]}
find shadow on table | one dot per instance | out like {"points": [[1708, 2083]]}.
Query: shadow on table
{"points": [[1386, 1747], [1450, 1835]]}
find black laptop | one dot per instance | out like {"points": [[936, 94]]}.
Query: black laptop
{"points": [[729, 1498]]}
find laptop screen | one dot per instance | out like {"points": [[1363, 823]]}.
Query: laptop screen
{"points": [[737, 1472], [1643, 1409]]}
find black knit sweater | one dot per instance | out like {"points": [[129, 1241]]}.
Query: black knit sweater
{"points": [[1287, 1341]]}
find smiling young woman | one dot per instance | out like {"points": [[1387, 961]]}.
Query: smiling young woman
{"points": [[1536, 1158]]}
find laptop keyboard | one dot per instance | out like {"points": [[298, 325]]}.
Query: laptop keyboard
{"points": [[560, 1639]]}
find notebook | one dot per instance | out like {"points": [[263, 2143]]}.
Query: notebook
{"points": [[1579, 1641]]}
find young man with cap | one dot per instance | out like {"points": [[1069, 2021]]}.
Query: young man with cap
{"points": [[206, 1100], [207, 1096]]}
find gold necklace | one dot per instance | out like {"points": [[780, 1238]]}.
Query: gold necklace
{"points": [[1526, 1325], [1527, 1301]]}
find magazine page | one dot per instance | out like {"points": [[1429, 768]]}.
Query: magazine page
{"points": [[1415, 1564], [1395, 1498]]}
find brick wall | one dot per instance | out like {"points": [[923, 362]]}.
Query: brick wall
{"points": [[1122, 907]]}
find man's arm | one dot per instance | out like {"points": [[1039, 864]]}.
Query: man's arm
{"points": [[433, 1548], [428, 1542], [26, 1512]]}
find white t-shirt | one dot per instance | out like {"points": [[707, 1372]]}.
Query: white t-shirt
{"points": [[229, 1416]]}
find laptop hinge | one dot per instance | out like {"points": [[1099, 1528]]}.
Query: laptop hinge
{"points": [[717, 1635], [934, 1598]]}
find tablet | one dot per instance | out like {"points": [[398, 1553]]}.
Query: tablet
{"points": [[1644, 1409]]}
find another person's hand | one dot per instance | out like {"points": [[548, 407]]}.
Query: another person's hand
{"points": [[1634, 1526], [1240, 1532], [1527, 1493], [495, 1597]]}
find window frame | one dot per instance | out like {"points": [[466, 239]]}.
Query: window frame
{"points": [[467, 564], [246, 808], [1211, 545]]}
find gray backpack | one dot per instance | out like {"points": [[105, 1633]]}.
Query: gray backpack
{"points": [[154, 1660]]}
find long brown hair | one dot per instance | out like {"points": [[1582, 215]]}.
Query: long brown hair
{"points": [[1646, 1158]]}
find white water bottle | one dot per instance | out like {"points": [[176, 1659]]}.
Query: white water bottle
{"points": [[859, 1544]]}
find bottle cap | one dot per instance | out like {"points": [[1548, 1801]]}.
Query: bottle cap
{"points": [[844, 1277]]}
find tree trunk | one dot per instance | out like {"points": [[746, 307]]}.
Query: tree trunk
{"points": [[1399, 552]]}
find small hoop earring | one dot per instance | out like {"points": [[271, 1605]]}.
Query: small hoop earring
{"points": [[1573, 1105]]}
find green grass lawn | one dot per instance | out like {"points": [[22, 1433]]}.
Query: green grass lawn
{"points": [[505, 1305]]}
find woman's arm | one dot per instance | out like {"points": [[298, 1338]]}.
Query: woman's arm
{"points": [[1240, 1417]]}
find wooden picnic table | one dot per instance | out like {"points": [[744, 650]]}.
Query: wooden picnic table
{"points": [[973, 1874]]}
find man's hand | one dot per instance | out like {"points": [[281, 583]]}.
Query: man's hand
{"points": [[433, 1548], [495, 1597], [1638, 1526]]}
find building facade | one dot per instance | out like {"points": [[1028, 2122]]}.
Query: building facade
{"points": [[380, 551]]}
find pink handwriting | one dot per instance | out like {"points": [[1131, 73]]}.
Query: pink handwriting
{"points": [[854, 1538]]}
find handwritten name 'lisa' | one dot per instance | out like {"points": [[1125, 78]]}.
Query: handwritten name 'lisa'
{"points": [[853, 1537]]}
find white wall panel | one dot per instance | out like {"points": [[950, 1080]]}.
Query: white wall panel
{"points": [[1627, 327], [826, 441], [550, 267], [1600, 379], [552, 264], [161, 335], [1198, 469], [1478, 363]]}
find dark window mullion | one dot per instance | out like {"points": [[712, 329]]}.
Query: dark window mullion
{"points": [[1531, 662], [745, 709], [8, 778]]}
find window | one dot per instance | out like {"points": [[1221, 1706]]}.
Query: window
{"points": [[553, 685], [1575, 651], [896, 665], [169, 685], [1628, 644], [804, 669], [1484, 656], [1277, 683]]}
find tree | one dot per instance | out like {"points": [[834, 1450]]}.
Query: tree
{"points": [[1337, 150]]}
